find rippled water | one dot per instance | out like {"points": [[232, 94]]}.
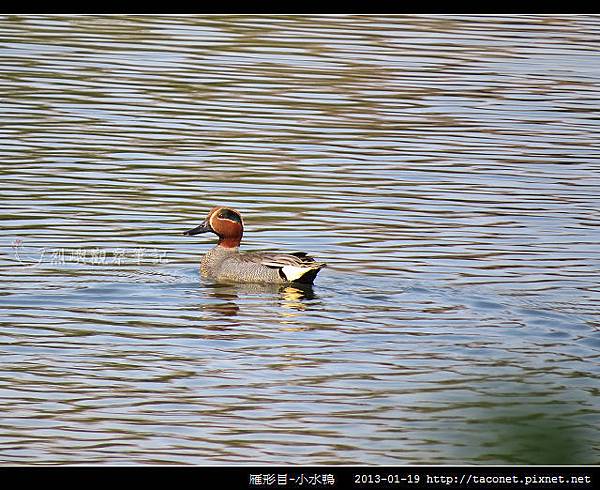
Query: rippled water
{"points": [[446, 168]]}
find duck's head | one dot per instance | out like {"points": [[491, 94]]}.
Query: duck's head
{"points": [[224, 222]]}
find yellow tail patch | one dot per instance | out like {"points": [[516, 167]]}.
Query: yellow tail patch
{"points": [[293, 273]]}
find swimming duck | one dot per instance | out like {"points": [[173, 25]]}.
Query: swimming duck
{"points": [[226, 263]]}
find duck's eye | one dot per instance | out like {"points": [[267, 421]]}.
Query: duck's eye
{"points": [[230, 215]]}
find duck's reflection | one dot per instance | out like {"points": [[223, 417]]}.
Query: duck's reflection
{"points": [[292, 298], [295, 296]]}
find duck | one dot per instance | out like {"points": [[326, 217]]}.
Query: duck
{"points": [[225, 262]]}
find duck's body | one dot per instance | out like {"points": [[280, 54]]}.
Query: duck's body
{"points": [[225, 263]]}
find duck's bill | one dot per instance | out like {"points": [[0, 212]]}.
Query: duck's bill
{"points": [[203, 228]]}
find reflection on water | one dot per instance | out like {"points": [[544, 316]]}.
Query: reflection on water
{"points": [[530, 424], [445, 167], [290, 297]]}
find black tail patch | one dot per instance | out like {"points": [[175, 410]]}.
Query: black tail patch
{"points": [[307, 278]]}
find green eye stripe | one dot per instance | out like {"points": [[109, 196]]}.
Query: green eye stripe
{"points": [[230, 215]]}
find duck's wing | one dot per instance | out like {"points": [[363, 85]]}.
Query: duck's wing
{"points": [[292, 266], [298, 259]]}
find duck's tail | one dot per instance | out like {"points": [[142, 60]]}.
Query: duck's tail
{"points": [[296, 267]]}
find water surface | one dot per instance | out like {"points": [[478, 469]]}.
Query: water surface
{"points": [[445, 167]]}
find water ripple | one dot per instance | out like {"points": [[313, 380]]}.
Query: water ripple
{"points": [[445, 167]]}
